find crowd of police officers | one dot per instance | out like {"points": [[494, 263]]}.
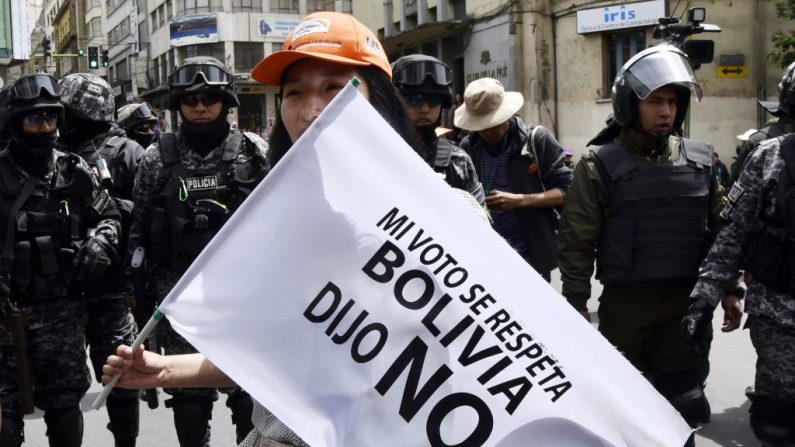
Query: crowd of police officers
{"points": [[85, 188]]}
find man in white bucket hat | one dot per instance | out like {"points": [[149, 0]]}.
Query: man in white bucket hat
{"points": [[521, 168]]}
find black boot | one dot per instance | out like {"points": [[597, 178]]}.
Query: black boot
{"points": [[242, 406], [123, 415], [192, 421], [64, 426], [11, 429]]}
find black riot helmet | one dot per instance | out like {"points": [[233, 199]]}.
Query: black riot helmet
{"points": [[418, 74], [786, 92], [201, 74], [38, 91], [133, 115], [786, 95], [655, 67]]}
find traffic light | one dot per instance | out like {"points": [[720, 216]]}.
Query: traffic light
{"points": [[93, 58], [105, 58], [81, 52], [46, 47]]}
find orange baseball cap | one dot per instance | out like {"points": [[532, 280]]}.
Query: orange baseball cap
{"points": [[328, 36]]}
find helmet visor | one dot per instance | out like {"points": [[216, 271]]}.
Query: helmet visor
{"points": [[659, 69], [142, 112], [193, 73], [30, 87], [416, 73]]}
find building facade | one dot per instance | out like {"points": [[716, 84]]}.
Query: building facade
{"points": [[239, 33], [564, 54]]}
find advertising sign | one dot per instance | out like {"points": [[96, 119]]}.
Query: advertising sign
{"points": [[276, 26], [628, 15], [195, 29]]}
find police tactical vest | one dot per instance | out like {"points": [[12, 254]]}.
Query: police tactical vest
{"points": [[114, 278], [49, 228], [770, 247], [194, 204], [657, 224]]}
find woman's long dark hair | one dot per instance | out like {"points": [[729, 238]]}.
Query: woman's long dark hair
{"points": [[384, 97]]}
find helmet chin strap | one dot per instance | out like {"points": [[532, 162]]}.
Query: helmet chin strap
{"points": [[655, 138]]}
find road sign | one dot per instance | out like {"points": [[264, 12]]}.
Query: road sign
{"points": [[731, 71]]}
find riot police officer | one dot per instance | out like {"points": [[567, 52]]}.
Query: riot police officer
{"points": [[639, 206], [138, 122], [90, 132], [188, 185], [760, 235], [424, 83], [60, 232], [783, 123]]}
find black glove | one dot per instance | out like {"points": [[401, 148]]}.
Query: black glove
{"points": [[694, 323], [93, 259]]}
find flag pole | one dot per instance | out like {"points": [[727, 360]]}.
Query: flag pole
{"points": [[148, 328]]}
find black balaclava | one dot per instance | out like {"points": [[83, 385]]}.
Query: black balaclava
{"points": [[141, 138], [32, 151], [204, 137], [78, 130]]}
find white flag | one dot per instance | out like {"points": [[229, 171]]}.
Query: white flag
{"points": [[358, 298]]}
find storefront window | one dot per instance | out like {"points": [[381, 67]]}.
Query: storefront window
{"points": [[620, 48]]}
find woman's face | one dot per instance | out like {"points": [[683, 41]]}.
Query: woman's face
{"points": [[309, 86]]}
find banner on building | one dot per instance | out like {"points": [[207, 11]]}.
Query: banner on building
{"points": [[195, 29], [363, 302]]}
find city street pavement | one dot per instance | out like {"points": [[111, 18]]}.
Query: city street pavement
{"points": [[732, 359]]}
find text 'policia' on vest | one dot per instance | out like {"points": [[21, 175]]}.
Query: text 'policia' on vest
{"points": [[194, 204]]}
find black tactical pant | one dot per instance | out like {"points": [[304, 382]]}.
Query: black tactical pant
{"points": [[643, 322], [775, 362], [56, 341], [193, 406]]}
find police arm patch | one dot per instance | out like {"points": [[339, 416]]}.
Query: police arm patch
{"points": [[736, 192]]}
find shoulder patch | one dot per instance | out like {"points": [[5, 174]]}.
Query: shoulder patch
{"points": [[736, 192]]}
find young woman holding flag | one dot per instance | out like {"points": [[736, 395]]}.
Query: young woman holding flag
{"points": [[321, 55]]}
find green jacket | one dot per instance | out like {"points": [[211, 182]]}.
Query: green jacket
{"points": [[586, 207]]}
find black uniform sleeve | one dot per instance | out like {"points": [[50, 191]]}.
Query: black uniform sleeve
{"points": [[144, 194], [125, 167]]}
